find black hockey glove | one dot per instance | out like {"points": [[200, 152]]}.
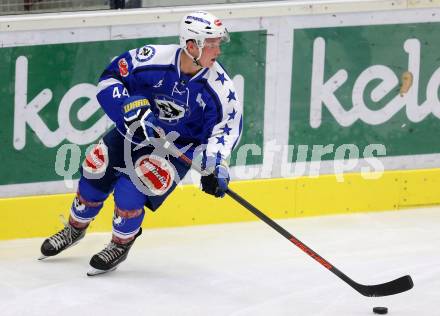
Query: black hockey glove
{"points": [[216, 182]]}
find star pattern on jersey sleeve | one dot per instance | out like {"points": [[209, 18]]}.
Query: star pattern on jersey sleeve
{"points": [[226, 129], [231, 96], [221, 77], [221, 140], [232, 115]]}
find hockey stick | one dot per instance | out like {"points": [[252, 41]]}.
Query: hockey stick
{"points": [[396, 286]]}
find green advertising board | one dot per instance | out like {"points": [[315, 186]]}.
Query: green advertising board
{"points": [[347, 88], [47, 90]]}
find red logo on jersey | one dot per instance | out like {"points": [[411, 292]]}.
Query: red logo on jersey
{"points": [[217, 22], [123, 67]]}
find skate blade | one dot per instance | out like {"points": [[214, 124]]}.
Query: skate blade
{"points": [[42, 257], [93, 271]]}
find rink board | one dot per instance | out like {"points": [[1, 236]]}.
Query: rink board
{"points": [[37, 216], [290, 113]]}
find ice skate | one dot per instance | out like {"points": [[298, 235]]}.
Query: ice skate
{"points": [[65, 238], [110, 257]]}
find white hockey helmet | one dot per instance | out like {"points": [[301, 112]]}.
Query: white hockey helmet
{"points": [[199, 26]]}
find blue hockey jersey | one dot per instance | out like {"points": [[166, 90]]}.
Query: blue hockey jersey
{"points": [[203, 109]]}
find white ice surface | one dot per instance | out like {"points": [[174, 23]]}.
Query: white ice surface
{"points": [[235, 269]]}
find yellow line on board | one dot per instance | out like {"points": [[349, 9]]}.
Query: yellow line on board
{"points": [[38, 216]]}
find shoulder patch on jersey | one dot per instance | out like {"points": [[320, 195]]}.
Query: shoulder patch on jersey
{"points": [[145, 53], [123, 67]]}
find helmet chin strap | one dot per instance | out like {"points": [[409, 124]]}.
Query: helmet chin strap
{"points": [[194, 59]]}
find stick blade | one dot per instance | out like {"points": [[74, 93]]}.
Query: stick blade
{"points": [[396, 286]]}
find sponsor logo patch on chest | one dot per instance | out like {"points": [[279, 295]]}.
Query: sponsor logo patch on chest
{"points": [[170, 109]]}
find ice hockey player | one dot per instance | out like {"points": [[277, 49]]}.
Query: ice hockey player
{"points": [[176, 89]]}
